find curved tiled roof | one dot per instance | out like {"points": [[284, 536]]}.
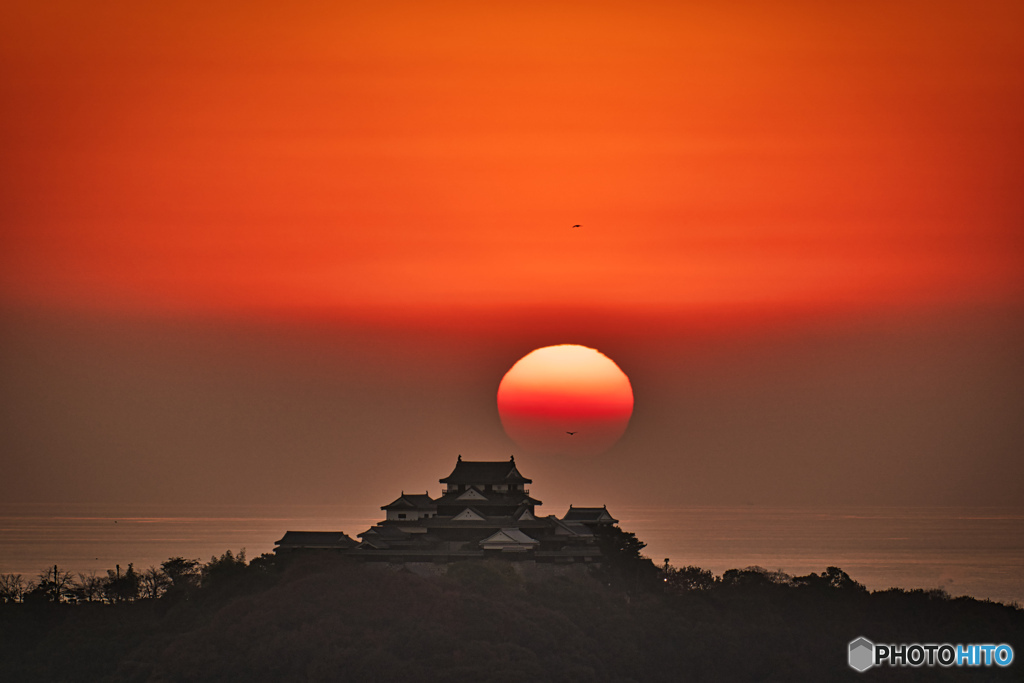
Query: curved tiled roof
{"points": [[316, 539], [485, 472], [513, 498], [600, 514], [509, 537], [411, 501]]}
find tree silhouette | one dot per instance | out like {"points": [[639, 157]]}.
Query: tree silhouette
{"points": [[13, 587], [122, 587], [54, 584], [89, 587], [153, 583], [833, 578], [623, 565], [182, 574], [688, 578], [222, 571]]}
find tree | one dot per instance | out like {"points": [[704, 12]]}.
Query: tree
{"points": [[833, 578], [13, 587], [623, 563], [153, 583], [55, 584], [221, 570], [122, 587], [89, 587], [688, 578], [618, 545], [755, 577], [182, 574], [837, 578]]}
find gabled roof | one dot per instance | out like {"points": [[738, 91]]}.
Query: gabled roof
{"points": [[469, 514], [575, 529], [488, 522], [383, 536], [387, 531], [523, 512], [515, 498], [316, 539], [589, 515], [472, 493], [379, 542], [373, 541], [485, 472], [506, 538], [411, 501]]}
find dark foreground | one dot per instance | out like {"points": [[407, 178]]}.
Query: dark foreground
{"points": [[325, 619]]}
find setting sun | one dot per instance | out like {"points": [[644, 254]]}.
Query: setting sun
{"points": [[565, 399]]}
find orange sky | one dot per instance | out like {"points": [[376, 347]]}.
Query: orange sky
{"points": [[427, 156]]}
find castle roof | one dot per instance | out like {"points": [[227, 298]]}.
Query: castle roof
{"points": [[316, 539], [574, 529], [510, 538], [387, 531], [589, 515], [488, 521], [514, 498], [411, 501], [385, 535], [485, 472]]}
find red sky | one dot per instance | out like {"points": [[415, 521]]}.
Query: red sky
{"points": [[832, 189], [429, 156]]}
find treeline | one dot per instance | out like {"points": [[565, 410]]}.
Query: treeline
{"points": [[323, 617], [177, 576]]}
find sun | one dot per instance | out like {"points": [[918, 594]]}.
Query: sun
{"points": [[566, 399]]}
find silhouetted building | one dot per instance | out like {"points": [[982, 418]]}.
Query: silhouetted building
{"points": [[589, 515], [484, 510], [409, 507], [315, 540]]}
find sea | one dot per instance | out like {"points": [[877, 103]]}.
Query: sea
{"points": [[975, 551]]}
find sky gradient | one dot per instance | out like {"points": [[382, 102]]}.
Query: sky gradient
{"points": [[260, 250]]}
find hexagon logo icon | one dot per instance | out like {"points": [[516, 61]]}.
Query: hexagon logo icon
{"points": [[862, 654]]}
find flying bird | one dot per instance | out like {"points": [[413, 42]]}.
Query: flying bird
{"points": [[576, 226], [570, 433]]}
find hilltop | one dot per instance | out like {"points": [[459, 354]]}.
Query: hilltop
{"points": [[323, 617]]}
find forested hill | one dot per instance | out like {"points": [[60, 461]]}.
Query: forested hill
{"points": [[327, 619]]}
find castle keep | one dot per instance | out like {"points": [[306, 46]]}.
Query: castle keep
{"points": [[484, 510]]}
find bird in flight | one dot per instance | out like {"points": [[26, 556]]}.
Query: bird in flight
{"points": [[570, 433], [576, 226]]}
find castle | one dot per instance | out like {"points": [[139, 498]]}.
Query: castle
{"points": [[485, 510]]}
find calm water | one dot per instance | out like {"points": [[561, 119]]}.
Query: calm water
{"points": [[967, 551]]}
